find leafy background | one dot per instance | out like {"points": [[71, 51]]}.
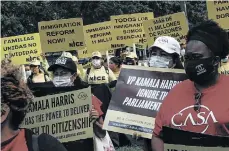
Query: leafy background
{"points": [[22, 17]]}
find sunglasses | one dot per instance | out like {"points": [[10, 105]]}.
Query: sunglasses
{"points": [[95, 57], [33, 66], [197, 105], [193, 56]]}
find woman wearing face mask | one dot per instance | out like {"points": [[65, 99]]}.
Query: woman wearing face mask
{"points": [[98, 74], [204, 96], [65, 75], [15, 99], [37, 75], [115, 65], [165, 53], [131, 59]]}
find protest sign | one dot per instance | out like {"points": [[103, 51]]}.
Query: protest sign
{"points": [[137, 98], [219, 12], [98, 37], [21, 49], [61, 35], [128, 29], [189, 141], [64, 116], [84, 53], [174, 25]]}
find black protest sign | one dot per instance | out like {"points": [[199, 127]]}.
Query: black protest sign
{"points": [[179, 140], [138, 96]]}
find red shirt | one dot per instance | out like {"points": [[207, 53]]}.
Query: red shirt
{"points": [[177, 109], [17, 144]]}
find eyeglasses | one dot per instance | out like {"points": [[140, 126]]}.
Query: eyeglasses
{"points": [[95, 57], [193, 56], [33, 66], [197, 105]]}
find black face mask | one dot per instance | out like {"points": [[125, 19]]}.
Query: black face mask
{"points": [[201, 71], [129, 62]]}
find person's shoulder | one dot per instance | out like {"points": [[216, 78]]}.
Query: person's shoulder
{"points": [[224, 79], [183, 85], [179, 89], [47, 143]]}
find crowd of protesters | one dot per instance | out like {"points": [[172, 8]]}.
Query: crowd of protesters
{"points": [[204, 57]]}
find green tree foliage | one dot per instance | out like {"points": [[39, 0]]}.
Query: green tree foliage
{"points": [[22, 17]]}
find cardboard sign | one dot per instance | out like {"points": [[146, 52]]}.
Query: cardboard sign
{"points": [[21, 49], [64, 116], [61, 35], [174, 25], [98, 36], [219, 12], [128, 29], [137, 98], [189, 141], [84, 53]]}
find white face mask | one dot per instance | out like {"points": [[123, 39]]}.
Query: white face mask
{"points": [[28, 73], [62, 81], [96, 63], [159, 62]]}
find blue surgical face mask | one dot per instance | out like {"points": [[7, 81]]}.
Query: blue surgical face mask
{"points": [[28, 73], [63, 81], [224, 60], [159, 62]]}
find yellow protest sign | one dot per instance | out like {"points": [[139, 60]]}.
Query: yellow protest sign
{"points": [[64, 116], [84, 53], [174, 25], [21, 49], [219, 12], [61, 35], [98, 36], [128, 29]]}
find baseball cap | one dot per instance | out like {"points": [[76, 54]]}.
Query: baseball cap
{"points": [[35, 63], [74, 58], [131, 55], [66, 54], [64, 62], [96, 54], [168, 44]]}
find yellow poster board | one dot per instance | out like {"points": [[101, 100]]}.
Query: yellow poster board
{"points": [[219, 12], [174, 25], [61, 35], [21, 49], [128, 29], [64, 116], [84, 53], [98, 37]]}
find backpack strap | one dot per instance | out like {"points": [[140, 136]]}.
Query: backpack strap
{"points": [[45, 77], [88, 71], [35, 142], [107, 70], [31, 140]]}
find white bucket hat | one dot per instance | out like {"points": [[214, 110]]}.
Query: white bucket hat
{"points": [[168, 44]]}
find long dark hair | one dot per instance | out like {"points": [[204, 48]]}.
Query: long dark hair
{"points": [[177, 62], [117, 60]]}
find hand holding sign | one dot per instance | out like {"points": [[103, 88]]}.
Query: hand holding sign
{"points": [[94, 115]]}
